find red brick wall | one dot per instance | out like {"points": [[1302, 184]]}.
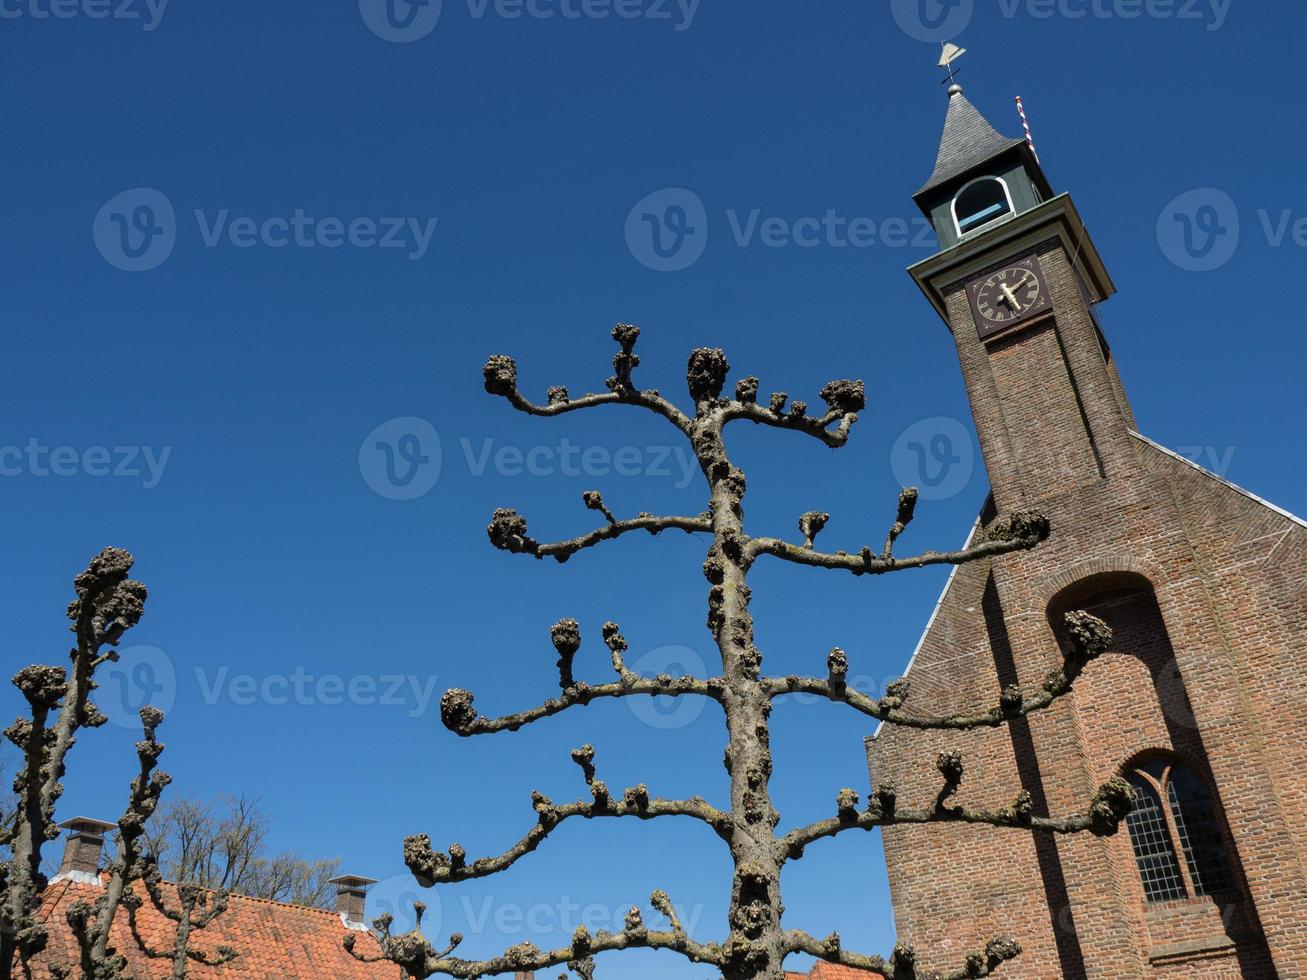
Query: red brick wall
{"points": [[1205, 590]]}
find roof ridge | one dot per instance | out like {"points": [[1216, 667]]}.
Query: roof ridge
{"points": [[1218, 478], [67, 882]]}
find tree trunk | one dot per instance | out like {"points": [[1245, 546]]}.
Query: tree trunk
{"points": [[756, 949]]}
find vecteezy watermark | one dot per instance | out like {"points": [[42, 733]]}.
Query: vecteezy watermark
{"points": [[933, 20], [396, 897], [666, 712], [945, 20], [566, 458], [562, 917], [1211, 458], [1201, 230], [935, 455], [305, 689], [149, 13], [405, 21], [668, 230], [401, 459], [141, 675], [486, 915], [146, 675], [136, 230], [35, 459], [400, 21]]}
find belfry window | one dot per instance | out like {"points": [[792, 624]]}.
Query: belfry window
{"points": [[1186, 824], [980, 202]]}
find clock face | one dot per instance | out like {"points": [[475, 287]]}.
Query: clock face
{"points": [[1008, 297]]}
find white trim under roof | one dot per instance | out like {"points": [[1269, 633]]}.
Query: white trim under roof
{"points": [[81, 877], [1219, 479], [934, 613]]}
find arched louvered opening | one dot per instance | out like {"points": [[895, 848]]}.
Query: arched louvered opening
{"points": [[983, 200]]}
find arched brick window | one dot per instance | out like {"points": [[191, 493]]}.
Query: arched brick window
{"points": [[1186, 824]]}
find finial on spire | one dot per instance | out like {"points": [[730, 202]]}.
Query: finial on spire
{"points": [[950, 54]]}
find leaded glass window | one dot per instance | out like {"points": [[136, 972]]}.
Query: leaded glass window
{"points": [[1187, 825]]}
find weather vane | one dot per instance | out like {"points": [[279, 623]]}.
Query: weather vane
{"points": [[950, 54]]}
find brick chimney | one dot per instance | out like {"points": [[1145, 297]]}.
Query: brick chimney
{"points": [[519, 975], [83, 846], [351, 896]]}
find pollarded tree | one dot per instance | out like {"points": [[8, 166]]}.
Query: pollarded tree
{"points": [[757, 943], [107, 604]]}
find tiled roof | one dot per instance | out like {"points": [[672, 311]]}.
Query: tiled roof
{"points": [[831, 971], [275, 941]]}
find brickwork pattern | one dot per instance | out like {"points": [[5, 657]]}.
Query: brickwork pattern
{"points": [[1204, 587]]}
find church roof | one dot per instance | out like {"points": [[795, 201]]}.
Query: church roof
{"points": [[968, 141]]}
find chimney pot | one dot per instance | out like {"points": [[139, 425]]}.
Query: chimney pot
{"points": [[351, 896], [84, 843]]}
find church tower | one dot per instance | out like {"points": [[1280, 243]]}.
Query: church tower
{"points": [[1016, 260], [1199, 697]]}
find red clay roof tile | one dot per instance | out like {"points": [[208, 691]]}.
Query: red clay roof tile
{"points": [[275, 941]]}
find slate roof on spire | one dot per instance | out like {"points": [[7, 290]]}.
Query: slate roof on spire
{"points": [[968, 141]]}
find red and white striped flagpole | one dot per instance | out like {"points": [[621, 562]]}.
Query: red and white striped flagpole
{"points": [[1026, 125]]}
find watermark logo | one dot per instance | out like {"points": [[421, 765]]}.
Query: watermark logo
{"points": [[400, 21], [405, 21], [831, 230], [148, 12], [932, 20], [142, 675], [396, 897], [666, 712], [400, 459], [1199, 230], [667, 230], [570, 459], [312, 690], [36, 459], [1211, 13], [136, 230], [934, 455]]}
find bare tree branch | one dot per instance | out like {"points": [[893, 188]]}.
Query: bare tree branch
{"points": [[501, 379], [1018, 532], [902, 965], [757, 945], [459, 715], [107, 604], [1089, 637], [1106, 810], [420, 958], [431, 867], [507, 531], [844, 400]]}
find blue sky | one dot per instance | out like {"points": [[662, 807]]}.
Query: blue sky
{"points": [[363, 207]]}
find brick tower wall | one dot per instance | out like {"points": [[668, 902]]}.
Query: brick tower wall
{"points": [[1205, 589]]}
